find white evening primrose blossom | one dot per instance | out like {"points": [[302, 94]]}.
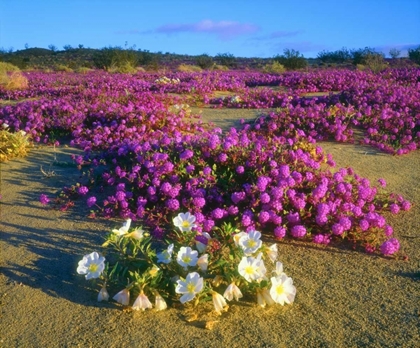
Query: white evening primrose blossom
{"points": [[92, 265], [123, 297], [166, 255], [272, 252], [189, 287], [238, 236], [187, 257], [279, 269], [250, 242], [124, 229], [103, 294], [160, 303], [282, 289], [232, 292], [219, 302], [5, 125], [251, 268], [142, 302], [185, 222], [137, 234], [203, 262]]}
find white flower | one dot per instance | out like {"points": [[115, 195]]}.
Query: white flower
{"points": [[166, 255], [185, 222], [282, 289], [201, 247], [232, 291], [238, 236], [272, 252], [203, 262], [160, 303], [103, 294], [251, 268], [137, 234], [218, 302], [142, 302], [123, 297], [92, 265], [192, 285], [250, 242], [187, 257], [5, 125], [279, 269], [22, 132], [124, 229]]}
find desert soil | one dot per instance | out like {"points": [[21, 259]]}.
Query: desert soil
{"points": [[345, 298]]}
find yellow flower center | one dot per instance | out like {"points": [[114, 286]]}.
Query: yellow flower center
{"points": [[279, 289], [251, 243], [93, 267], [191, 287], [185, 224], [249, 270], [186, 259]]}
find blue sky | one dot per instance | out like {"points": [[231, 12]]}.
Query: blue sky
{"points": [[246, 28]]}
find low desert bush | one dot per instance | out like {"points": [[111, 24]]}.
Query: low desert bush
{"points": [[63, 68], [414, 55], [83, 70], [292, 60], [220, 67], [274, 68], [11, 78], [205, 61], [13, 145], [189, 68]]}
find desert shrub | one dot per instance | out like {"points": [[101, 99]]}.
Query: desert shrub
{"points": [[83, 70], [414, 55], [6, 67], [292, 60], [361, 67], [220, 67], [12, 144], [335, 57], [115, 58], [274, 68], [375, 62], [359, 56], [394, 53], [226, 59], [204, 61], [126, 68], [11, 78], [189, 68], [63, 68]]}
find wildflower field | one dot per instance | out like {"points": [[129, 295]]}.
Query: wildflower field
{"points": [[223, 183]]}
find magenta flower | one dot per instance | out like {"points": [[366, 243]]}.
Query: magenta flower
{"points": [[91, 201], [44, 199], [298, 231], [390, 247]]}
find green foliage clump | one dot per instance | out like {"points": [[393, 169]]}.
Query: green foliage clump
{"points": [[226, 59], [204, 61], [414, 55], [274, 68], [11, 77], [375, 62], [336, 57], [115, 58], [13, 145], [292, 60], [63, 68]]}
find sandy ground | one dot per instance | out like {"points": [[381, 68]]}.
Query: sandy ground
{"points": [[345, 298]]}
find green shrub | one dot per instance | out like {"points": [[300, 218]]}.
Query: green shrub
{"points": [[335, 57], [292, 60], [204, 61], [189, 68], [64, 68], [414, 55], [274, 68], [115, 58], [375, 62], [7, 67], [226, 59]]}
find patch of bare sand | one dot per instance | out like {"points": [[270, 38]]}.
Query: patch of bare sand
{"points": [[345, 298]]}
